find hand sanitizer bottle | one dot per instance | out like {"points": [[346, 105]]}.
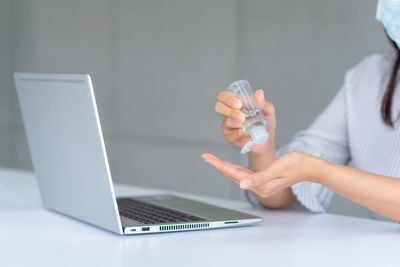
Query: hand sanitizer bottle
{"points": [[255, 123]]}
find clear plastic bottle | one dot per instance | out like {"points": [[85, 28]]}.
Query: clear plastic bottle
{"points": [[255, 123]]}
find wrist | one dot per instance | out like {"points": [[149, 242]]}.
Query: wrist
{"points": [[269, 153], [316, 169], [269, 150], [261, 161]]}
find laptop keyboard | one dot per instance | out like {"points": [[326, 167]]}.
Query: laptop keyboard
{"points": [[151, 214]]}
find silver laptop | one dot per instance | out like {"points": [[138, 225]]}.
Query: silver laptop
{"points": [[70, 161]]}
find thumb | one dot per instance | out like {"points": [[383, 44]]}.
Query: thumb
{"points": [[252, 181], [259, 98], [257, 179], [267, 108]]}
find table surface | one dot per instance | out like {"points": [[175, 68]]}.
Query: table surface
{"points": [[33, 236]]}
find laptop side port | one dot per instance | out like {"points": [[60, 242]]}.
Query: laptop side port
{"points": [[231, 222], [145, 229]]}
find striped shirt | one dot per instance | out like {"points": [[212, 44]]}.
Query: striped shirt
{"points": [[351, 129]]}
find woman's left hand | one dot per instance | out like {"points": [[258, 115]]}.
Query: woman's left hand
{"points": [[289, 169]]}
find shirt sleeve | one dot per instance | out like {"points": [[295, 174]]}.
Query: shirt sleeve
{"points": [[327, 138], [328, 135]]}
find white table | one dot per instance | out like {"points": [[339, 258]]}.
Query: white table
{"points": [[32, 236]]}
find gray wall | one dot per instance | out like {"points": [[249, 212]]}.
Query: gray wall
{"points": [[158, 65]]}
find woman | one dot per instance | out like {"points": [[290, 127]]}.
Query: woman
{"points": [[360, 124]]}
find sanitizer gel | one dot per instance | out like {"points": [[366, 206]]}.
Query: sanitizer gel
{"points": [[255, 123]]}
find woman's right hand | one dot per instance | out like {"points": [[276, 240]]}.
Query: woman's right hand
{"points": [[229, 107]]}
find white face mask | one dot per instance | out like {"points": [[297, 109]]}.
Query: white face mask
{"points": [[388, 13]]}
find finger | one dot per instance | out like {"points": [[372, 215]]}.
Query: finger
{"points": [[217, 164], [237, 116], [229, 123], [231, 134], [223, 109], [241, 142], [267, 108], [235, 175], [237, 132], [234, 135], [259, 98], [256, 179], [234, 172], [230, 101], [234, 114], [209, 156], [237, 167]]}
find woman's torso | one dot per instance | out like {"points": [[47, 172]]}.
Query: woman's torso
{"points": [[374, 146]]}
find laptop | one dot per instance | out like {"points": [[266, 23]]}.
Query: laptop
{"points": [[70, 162]]}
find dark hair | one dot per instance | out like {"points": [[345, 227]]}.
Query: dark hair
{"points": [[386, 108]]}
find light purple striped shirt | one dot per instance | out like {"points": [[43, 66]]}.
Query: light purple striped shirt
{"points": [[351, 129]]}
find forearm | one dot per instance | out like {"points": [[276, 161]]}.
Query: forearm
{"points": [[378, 193]]}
